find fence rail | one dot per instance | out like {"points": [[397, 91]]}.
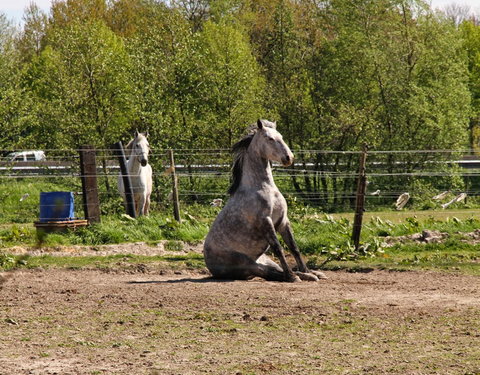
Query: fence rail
{"points": [[318, 177]]}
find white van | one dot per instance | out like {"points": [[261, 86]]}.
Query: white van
{"points": [[26, 156]]}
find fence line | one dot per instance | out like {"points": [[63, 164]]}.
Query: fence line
{"points": [[214, 175], [200, 150]]}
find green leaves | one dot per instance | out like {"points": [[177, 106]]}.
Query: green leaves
{"points": [[82, 80], [333, 74]]}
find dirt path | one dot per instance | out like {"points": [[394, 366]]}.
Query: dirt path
{"points": [[92, 322]]}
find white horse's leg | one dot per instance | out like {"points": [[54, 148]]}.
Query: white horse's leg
{"points": [[147, 205], [141, 204]]}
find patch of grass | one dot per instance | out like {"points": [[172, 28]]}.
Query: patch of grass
{"points": [[20, 199], [112, 230], [119, 261], [400, 216], [412, 257], [324, 239]]}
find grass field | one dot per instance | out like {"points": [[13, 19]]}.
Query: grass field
{"points": [[325, 239]]}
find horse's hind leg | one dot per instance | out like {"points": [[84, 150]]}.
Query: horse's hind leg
{"points": [[267, 269], [270, 273], [237, 266]]}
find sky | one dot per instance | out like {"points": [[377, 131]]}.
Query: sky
{"points": [[14, 8]]}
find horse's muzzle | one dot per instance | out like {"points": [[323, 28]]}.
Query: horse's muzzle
{"points": [[287, 160]]}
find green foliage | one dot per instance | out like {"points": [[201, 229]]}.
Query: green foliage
{"points": [[14, 209], [7, 262], [471, 39], [83, 86], [232, 83], [391, 73], [331, 239]]}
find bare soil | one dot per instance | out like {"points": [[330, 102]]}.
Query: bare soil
{"points": [[158, 321]]}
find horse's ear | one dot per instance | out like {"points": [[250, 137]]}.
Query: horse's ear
{"points": [[146, 134], [136, 133], [259, 124]]}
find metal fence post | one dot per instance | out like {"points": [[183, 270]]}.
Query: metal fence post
{"points": [[127, 186], [176, 203], [360, 199], [88, 171]]}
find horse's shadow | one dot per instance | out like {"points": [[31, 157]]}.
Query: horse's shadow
{"points": [[179, 281]]}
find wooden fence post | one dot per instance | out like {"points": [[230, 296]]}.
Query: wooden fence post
{"points": [[360, 199], [88, 171], [176, 203], [127, 185]]}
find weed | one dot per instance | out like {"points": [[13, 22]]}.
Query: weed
{"points": [[174, 246]]}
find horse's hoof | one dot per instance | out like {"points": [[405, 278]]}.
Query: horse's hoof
{"points": [[320, 275], [307, 276], [294, 279]]}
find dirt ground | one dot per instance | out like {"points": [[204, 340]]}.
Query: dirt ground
{"points": [[155, 321]]}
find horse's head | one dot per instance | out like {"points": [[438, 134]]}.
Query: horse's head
{"points": [[140, 148], [271, 143]]}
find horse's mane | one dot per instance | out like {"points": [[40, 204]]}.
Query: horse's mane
{"points": [[239, 150], [129, 145]]}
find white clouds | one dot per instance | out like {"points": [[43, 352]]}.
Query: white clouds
{"points": [[14, 9], [473, 4], [20, 5]]}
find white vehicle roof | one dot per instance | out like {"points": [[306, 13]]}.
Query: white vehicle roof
{"points": [[39, 154]]}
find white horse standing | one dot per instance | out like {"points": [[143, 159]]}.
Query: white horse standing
{"points": [[140, 173]]}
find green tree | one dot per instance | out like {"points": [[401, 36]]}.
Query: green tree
{"points": [[471, 36], [32, 37], [82, 79], [233, 88], [167, 78], [66, 12], [392, 74], [14, 101]]}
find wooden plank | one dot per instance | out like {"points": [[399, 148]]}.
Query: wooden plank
{"points": [[88, 168], [360, 200]]}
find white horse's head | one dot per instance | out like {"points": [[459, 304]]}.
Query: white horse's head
{"points": [[270, 143], [139, 148]]}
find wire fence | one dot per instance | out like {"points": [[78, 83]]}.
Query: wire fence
{"points": [[325, 179]]}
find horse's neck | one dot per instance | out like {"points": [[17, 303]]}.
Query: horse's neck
{"points": [[256, 171], [133, 165]]}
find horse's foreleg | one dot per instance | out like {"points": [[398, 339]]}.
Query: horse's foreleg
{"points": [[277, 250], [147, 205], [287, 234], [140, 205]]}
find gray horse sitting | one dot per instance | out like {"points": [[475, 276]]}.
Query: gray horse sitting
{"points": [[246, 227]]}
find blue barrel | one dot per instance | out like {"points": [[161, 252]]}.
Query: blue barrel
{"points": [[56, 206]]}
